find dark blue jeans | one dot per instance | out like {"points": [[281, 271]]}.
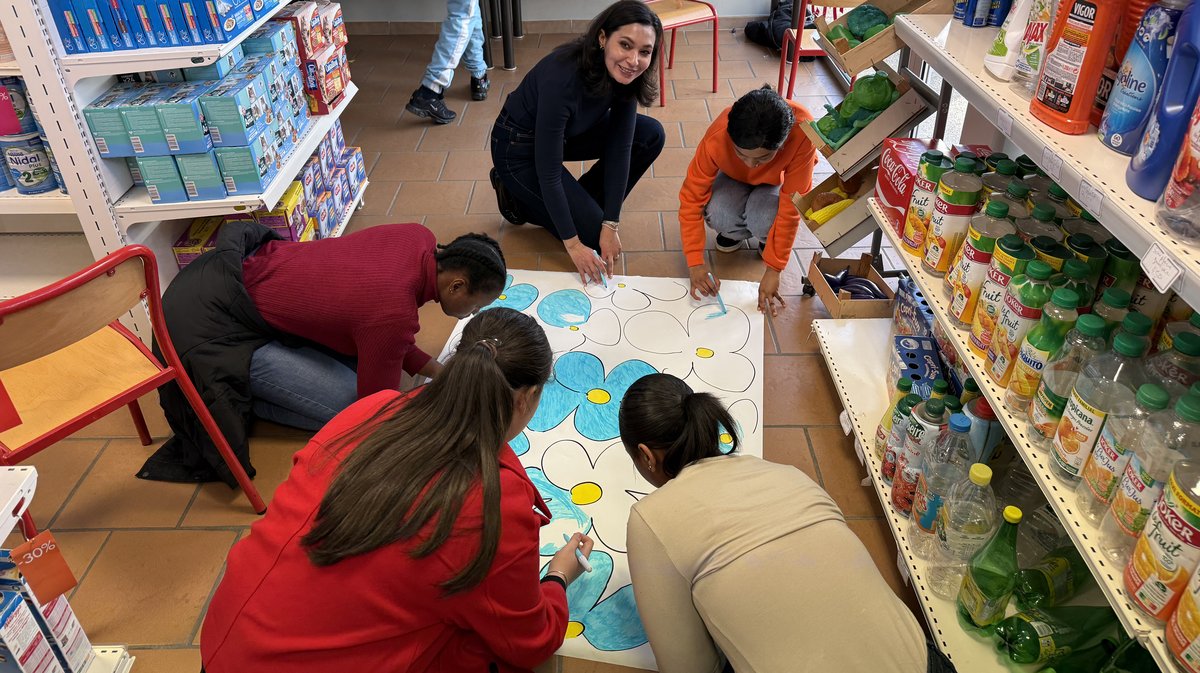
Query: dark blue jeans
{"points": [[512, 155], [301, 386]]}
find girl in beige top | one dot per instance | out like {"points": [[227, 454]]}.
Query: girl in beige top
{"points": [[734, 555]]}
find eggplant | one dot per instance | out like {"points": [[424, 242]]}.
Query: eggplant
{"points": [[858, 284], [837, 280]]}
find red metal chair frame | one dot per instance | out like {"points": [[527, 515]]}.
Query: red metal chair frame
{"points": [[791, 37], [664, 64]]}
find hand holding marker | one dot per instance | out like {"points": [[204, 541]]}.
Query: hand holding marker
{"points": [[583, 562], [723, 311]]}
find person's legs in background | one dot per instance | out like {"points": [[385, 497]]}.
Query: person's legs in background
{"points": [[457, 34], [473, 58], [300, 387], [726, 212]]}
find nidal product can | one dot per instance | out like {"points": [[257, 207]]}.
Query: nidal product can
{"points": [[62, 186], [28, 163]]}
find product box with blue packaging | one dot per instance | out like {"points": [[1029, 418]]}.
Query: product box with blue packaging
{"points": [[24, 649], [268, 68], [69, 29], [226, 19], [337, 138], [326, 220], [91, 25], [182, 118], [167, 76], [236, 111], [103, 117], [148, 22], [916, 359], [314, 183], [293, 91], [191, 10], [274, 37], [247, 170], [325, 154], [201, 177], [913, 315], [162, 179], [174, 22], [340, 188], [135, 172], [263, 7], [123, 32], [141, 120], [218, 69], [356, 173], [55, 618]]}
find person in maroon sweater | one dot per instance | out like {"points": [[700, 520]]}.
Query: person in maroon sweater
{"points": [[383, 550], [353, 301]]}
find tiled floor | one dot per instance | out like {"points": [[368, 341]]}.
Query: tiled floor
{"points": [[149, 554]]}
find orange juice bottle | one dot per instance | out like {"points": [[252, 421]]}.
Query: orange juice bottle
{"points": [[1183, 628], [1168, 549], [1079, 43]]}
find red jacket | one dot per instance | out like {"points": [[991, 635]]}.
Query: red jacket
{"points": [[275, 612], [357, 295]]}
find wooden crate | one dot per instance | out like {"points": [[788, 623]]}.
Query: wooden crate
{"points": [[839, 304], [836, 234], [878, 47]]}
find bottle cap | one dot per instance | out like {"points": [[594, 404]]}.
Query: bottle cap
{"points": [[1116, 298], [1011, 243], [1006, 167], [932, 156], [1194, 319], [983, 409], [1093, 326], [1017, 189], [935, 407], [968, 154], [1083, 242], [1083, 214], [1012, 514], [1129, 345], [941, 386], [904, 385], [960, 423], [964, 164], [1027, 165], [953, 404], [997, 157], [1118, 249], [1187, 343], [1188, 408], [1136, 324], [1065, 298], [997, 209], [908, 402], [1043, 212], [980, 474], [1056, 191], [1152, 396], [971, 386], [1038, 269], [1075, 269]]}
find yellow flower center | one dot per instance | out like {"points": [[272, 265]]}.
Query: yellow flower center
{"points": [[598, 396], [503, 296], [726, 438], [574, 328], [586, 493], [621, 285], [704, 353], [574, 629]]}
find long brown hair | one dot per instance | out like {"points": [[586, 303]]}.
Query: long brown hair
{"points": [[419, 460], [665, 414]]}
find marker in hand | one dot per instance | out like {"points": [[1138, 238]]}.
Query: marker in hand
{"points": [[602, 278], [720, 301], [579, 555]]}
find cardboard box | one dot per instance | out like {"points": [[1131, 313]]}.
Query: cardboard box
{"points": [[323, 74], [268, 67], [344, 63], [314, 183], [276, 38], [236, 111], [326, 218], [191, 23], [69, 29], [174, 21], [56, 619], [226, 20], [293, 91], [840, 305], [913, 315], [140, 117], [289, 217], [162, 179], [916, 359], [148, 22], [263, 7], [218, 69], [306, 21], [310, 230], [199, 238], [182, 119], [248, 170], [325, 154], [340, 188], [898, 164], [103, 118], [333, 23], [336, 138], [356, 173], [23, 646], [90, 14], [878, 47], [201, 177], [134, 172], [835, 233]]}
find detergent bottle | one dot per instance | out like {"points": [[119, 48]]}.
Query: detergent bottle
{"points": [[1079, 43]]}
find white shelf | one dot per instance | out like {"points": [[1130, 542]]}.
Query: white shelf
{"points": [[856, 352], [1086, 167], [111, 659], [17, 485], [350, 208], [32, 261], [9, 69], [135, 206], [1060, 496], [48, 203], [104, 63]]}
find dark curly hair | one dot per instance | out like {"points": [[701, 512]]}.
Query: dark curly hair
{"points": [[586, 50], [760, 119], [477, 255]]}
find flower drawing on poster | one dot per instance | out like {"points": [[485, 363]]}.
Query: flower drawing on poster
{"points": [[625, 295], [608, 623], [570, 321], [517, 297], [745, 415], [520, 444], [705, 346], [580, 385], [566, 518], [604, 489]]}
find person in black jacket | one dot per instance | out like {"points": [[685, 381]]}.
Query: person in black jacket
{"points": [[579, 104]]}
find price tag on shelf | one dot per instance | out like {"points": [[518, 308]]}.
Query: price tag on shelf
{"points": [[1091, 198], [1160, 267], [1051, 163], [847, 426], [41, 562], [903, 566], [1004, 121]]}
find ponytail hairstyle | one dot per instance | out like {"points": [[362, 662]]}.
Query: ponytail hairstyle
{"points": [[663, 412], [418, 461], [586, 52], [479, 257]]}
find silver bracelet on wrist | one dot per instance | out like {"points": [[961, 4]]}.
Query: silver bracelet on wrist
{"points": [[609, 224]]}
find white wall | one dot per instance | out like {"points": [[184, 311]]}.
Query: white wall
{"points": [[532, 10]]}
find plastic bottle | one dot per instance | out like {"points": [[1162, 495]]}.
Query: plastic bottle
{"points": [[1055, 197], [1039, 223], [1177, 369], [1091, 253], [997, 180], [959, 191], [1083, 33], [1042, 341], [1178, 209], [999, 12], [1039, 183], [1033, 46], [943, 467], [986, 431], [1122, 269], [1023, 303], [1147, 300], [1176, 310], [970, 392], [1025, 163], [924, 195], [924, 429], [1120, 437], [968, 519], [1168, 549], [1106, 384], [1140, 77], [974, 257], [903, 387], [1086, 223], [1041, 532], [1016, 195], [1170, 438], [1112, 307], [1057, 577], [1042, 634], [1073, 277], [953, 405], [1135, 324], [898, 435], [1009, 259], [991, 575], [1051, 252], [939, 390], [1183, 627], [1081, 344], [993, 160], [1150, 167], [1174, 329]]}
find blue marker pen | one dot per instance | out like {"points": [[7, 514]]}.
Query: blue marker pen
{"points": [[719, 300], [578, 554], [602, 278]]}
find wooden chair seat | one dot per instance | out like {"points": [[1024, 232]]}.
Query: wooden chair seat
{"points": [[67, 383], [675, 12]]}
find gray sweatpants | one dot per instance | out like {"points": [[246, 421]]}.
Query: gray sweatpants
{"points": [[739, 211]]}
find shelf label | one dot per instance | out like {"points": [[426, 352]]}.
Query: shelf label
{"points": [[900, 563], [1091, 198], [1004, 122], [41, 561], [1051, 163], [1160, 267], [844, 419]]}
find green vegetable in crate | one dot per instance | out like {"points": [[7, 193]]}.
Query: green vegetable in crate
{"points": [[873, 93], [1044, 634], [866, 100], [873, 31], [865, 17], [840, 32]]}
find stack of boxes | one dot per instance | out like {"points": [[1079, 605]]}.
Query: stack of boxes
{"points": [[116, 25], [321, 38], [37, 638]]}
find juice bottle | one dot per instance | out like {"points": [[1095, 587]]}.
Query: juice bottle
{"points": [[1168, 549], [1058, 317], [958, 195], [1055, 197], [1008, 259], [1025, 163], [1016, 195], [1039, 183], [923, 430], [1033, 46], [1150, 167], [953, 405], [1178, 368], [1080, 345], [939, 390], [992, 161], [895, 443], [1091, 253], [920, 207], [903, 387], [944, 466], [1073, 277], [1040, 222], [971, 391], [1085, 223], [1122, 269], [967, 520], [1135, 324], [1112, 307], [1023, 302], [998, 178], [1147, 300], [1051, 252], [1079, 42], [973, 259], [1174, 329], [1183, 628], [991, 575]]}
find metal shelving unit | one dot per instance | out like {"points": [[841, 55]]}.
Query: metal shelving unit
{"points": [[1060, 496], [350, 209]]}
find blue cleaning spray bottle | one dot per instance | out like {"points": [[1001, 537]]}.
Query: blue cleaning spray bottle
{"points": [[1140, 77]]}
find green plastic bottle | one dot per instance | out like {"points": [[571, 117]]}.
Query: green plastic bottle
{"points": [[1044, 340], [1086, 660], [1074, 276], [1060, 574], [1045, 634], [991, 575]]}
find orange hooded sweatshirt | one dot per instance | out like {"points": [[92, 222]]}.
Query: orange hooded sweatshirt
{"points": [[792, 167]]}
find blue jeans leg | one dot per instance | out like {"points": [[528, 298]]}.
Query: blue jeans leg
{"points": [[300, 387], [461, 31]]}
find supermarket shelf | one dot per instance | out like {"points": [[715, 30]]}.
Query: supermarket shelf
{"points": [[17, 485], [135, 206], [856, 352], [350, 208], [32, 261], [1093, 174], [111, 659], [1060, 496], [9, 69], [48, 203], [101, 64]]}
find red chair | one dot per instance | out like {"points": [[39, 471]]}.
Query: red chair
{"points": [[800, 40], [65, 360], [675, 14]]}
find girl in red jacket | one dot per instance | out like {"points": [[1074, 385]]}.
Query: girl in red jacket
{"points": [[405, 537]]}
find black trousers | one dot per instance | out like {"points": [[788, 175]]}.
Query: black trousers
{"points": [[512, 155]]}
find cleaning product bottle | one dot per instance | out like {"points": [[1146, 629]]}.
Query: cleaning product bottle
{"points": [[1081, 344], [1033, 47], [1009, 258], [1058, 318], [958, 196], [1140, 77], [903, 387], [1023, 302], [970, 266], [1150, 167], [1083, 33], [967, 520], [1016, 195], [990, 578], [1131, 19], [1178, 208], [1039, 223], [1001, 59]]}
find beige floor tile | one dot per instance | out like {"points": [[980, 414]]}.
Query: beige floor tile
{"points": [[641, 231], [148, 588], [654, 194], [378, 198], [79, 548], [521, 260], [408, 166], [738, 265], [672, 162], [363, 113], [436, 327], [111, 497], [789, 446], [702, 34], [728, 70], [528, 238], [403, 136], [360, 222], [814, 401], [793, 326], [449, 227], [451, 138], [218, 505], [842, 473], [683, 71], [693, 131], [433, 198], [185, 660], [741, 87], [679, 111], [60, 468], [558, 262], [468, 165], [692, 52], [698, 88]]}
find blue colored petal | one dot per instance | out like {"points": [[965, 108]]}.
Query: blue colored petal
{"points": [[579, 371], [520, 444], [556, 404], [726, 447], [598, 415], [585, 592], [614, 624], [561, 508], [624, 375], [517, 297], [565, 308]]}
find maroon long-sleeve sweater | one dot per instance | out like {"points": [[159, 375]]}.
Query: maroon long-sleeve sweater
{"points": [[357, 295]]}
